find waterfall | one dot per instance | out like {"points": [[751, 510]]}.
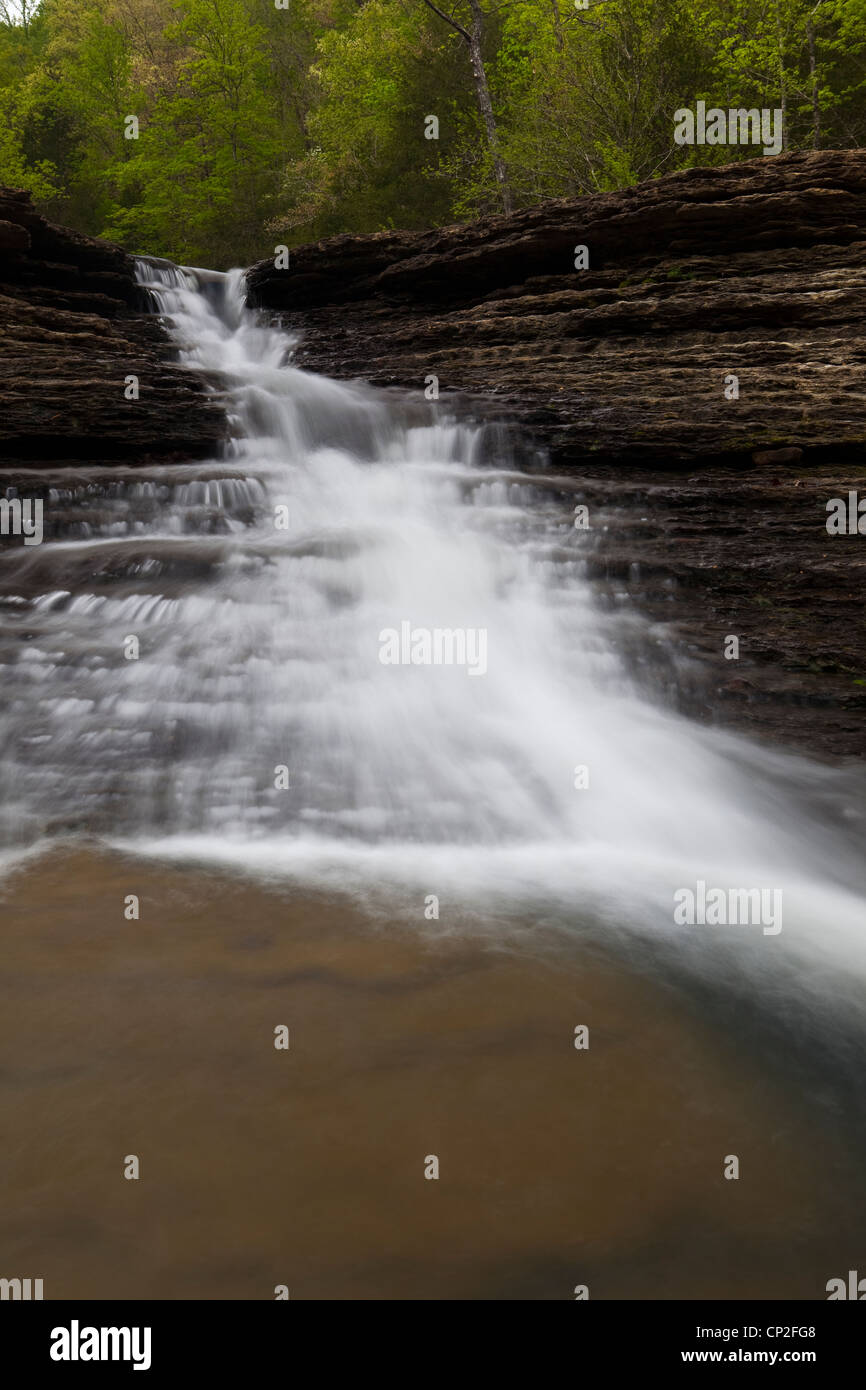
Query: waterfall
{"points": [[364, 653]]}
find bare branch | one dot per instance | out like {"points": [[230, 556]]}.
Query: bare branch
{"points": [[448, 20]]}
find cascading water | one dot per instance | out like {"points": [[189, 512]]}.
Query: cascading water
{"points": [[258, 588]]}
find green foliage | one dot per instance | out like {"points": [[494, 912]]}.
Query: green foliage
{"points": [[200, 179], [377, 78], [259, 125]]}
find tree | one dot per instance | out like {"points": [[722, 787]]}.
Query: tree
{"points": [[259, 125], [18, 13], [474, 40], [367, 164]]}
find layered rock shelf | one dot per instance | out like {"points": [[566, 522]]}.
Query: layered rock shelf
{"points": [[73, 327], [756, 270]]}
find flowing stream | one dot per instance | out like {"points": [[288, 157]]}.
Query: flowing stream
{"points": [[258, 725]]}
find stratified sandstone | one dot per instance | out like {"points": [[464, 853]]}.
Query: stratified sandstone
{"points": [[73, 326], [756, 270]]}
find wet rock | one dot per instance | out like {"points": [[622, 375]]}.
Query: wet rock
{"points": [[764, 456], [742, 554], [755, 270], [73, 326]]}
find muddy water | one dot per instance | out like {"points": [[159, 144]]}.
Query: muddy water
{"points": [[261, 1167]]}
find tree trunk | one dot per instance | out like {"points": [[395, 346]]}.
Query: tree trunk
{"points": [[558, 36], [473, 38], [476, 34], [816, 104], [780, 41]]}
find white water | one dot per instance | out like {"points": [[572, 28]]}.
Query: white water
{"points": [[260, 647]]}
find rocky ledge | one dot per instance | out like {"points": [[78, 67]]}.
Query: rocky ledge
{"points": [[755, 270], [73, 326], [709, 511]]}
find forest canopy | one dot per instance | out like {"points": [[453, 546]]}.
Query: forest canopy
{"points": [[207, 131]]}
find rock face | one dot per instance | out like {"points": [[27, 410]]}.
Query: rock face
{"points": [[708, 512], [756, 270], [746, 553], [73, 326]]}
